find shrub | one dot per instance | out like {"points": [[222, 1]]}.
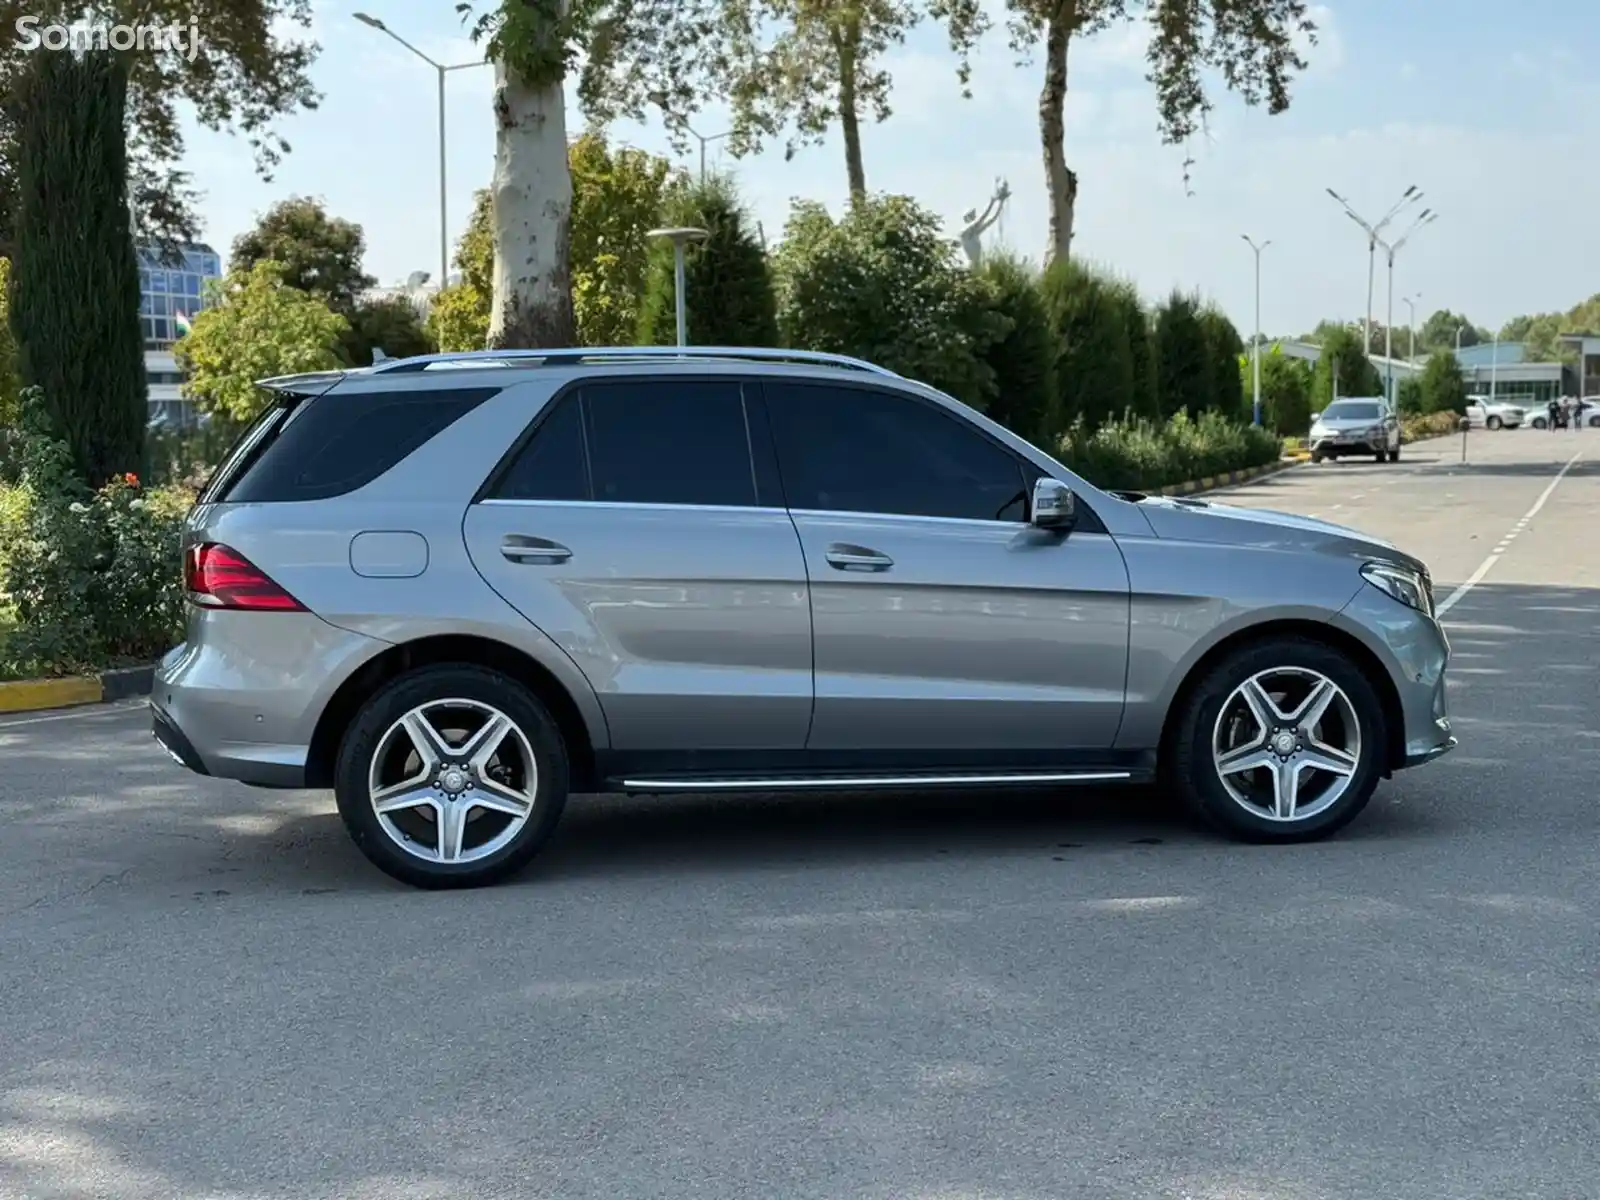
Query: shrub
{"points": [[1146, 398], [1444, 388], [1024, 360], [1094, 364], [1183, 357], [1144, 455], [883, 283], [1428, 425], [1285, 391], [728, 288], [92, 575], [76, 299], [1408, 395]]}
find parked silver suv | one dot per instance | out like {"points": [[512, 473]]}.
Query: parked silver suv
{"points": [[456, 588]]}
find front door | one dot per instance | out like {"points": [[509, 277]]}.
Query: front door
{"points": [[944, 624], [635, 530]]}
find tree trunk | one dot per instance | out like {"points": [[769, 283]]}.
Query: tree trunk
{"points": [[532, 190], [1060, 182], [849, 122]]}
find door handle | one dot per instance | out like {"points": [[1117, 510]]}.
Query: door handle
{"points": [[857, 558], [520, 548]]}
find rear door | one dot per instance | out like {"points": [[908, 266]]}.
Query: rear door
{"points": [[635, 526]]}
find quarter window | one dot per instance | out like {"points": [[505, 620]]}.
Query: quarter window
{"points": [[844, 449]]}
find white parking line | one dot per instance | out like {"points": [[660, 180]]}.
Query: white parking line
{"points": [[1476, 577]]}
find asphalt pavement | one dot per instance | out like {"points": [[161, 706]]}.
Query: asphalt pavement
{"points": [[205, 992]]}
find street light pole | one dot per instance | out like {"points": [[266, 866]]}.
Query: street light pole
{"points": [[659, 99], [1411, 306], [679, 236], [1426, 217], [1255, 345], [1410, 195], [441, 69]]}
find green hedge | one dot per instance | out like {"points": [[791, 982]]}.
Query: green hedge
{"points": [[1143, 455]]}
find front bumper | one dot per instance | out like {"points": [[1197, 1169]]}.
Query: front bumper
{"points": [[1415, 652], [1334, 445]]}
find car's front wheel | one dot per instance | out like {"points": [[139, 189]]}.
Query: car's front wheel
{"points": [[1282, 741], [451, 776], [1494, 422]]}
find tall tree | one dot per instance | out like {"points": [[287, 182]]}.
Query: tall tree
{"points": [[803, 65], [255, 326], [76, 306], [318, 253], [1444, 389], [1250, 44], [240, 64], [1342, 359], [1438, 332], [1183, 357], [1094, 363], [1223, 347], [618, 196]]}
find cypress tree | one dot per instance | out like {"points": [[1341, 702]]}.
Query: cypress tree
{"points": [[1183, 360], [1024, 360], [75, 307], [1094, 364], [727, 283], [1223, 348]]}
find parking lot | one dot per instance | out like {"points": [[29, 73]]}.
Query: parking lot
{"points": [[207, 994]]}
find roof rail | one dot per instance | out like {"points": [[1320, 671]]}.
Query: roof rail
{"points": [[564, 356]]}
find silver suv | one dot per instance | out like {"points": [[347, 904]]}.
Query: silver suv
{"points": [[455, 589]]}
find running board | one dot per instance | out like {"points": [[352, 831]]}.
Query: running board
{"points": [[862, 782]]}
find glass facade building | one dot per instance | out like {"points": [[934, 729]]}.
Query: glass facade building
{"points": [[168, 290]]}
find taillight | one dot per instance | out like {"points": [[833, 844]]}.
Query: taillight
{"points": [[219, 577]]}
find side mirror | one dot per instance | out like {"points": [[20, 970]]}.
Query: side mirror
{"points": [[1314, 417], [1054, 505]]}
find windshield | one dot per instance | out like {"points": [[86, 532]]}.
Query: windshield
{"points": [[1345, 411]]}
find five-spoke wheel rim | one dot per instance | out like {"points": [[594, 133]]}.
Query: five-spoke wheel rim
{"points": [[453, 781], [1287, 744]]}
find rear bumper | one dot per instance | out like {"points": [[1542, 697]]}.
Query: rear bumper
{"points": [[242, 697]]}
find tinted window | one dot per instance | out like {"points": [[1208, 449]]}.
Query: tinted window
{"points": [[341, 441], [1352, 412], [858, 450], [668, 442], [551, 466]]}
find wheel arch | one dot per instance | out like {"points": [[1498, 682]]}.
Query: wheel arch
{"points": [[1360, 655], [439, 649]]}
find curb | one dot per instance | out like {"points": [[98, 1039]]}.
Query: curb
{"points": [[29, 695], [1212, 482]]}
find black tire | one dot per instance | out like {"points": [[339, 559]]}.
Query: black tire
{"points": [[1394, 455], [1494, 422], [1189, 768], [1316, 457], [1382, 456], [1539, 423], [450, 681]]}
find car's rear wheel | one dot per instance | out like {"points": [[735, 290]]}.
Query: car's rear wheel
{"points": [[451, 776], [1494, 422], [1539, 423], [1282, 741]]}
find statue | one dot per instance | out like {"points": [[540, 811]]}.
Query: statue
{"points": [[976, 225]]}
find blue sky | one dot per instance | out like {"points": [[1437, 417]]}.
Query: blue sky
{"points": [[1482, 105]]}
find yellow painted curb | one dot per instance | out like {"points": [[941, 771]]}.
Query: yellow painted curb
{"points": [[26, 694]]}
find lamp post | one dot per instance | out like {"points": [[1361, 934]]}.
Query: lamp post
{"points": [[1409, 196], [659, 99], [441, 68], [1426, 217], [1255, 345], [1411, 306], [679, 236]]}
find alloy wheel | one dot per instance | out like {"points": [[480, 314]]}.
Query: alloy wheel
{"points": [[453, 781], [1286, 744]]}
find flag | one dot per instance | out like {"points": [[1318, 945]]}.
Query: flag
{"points": [[182, 322]]}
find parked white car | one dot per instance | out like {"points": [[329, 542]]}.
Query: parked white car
{"points": [[1483, 412]]}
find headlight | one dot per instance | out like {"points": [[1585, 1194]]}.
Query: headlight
{"points": [[1405, 585]]}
